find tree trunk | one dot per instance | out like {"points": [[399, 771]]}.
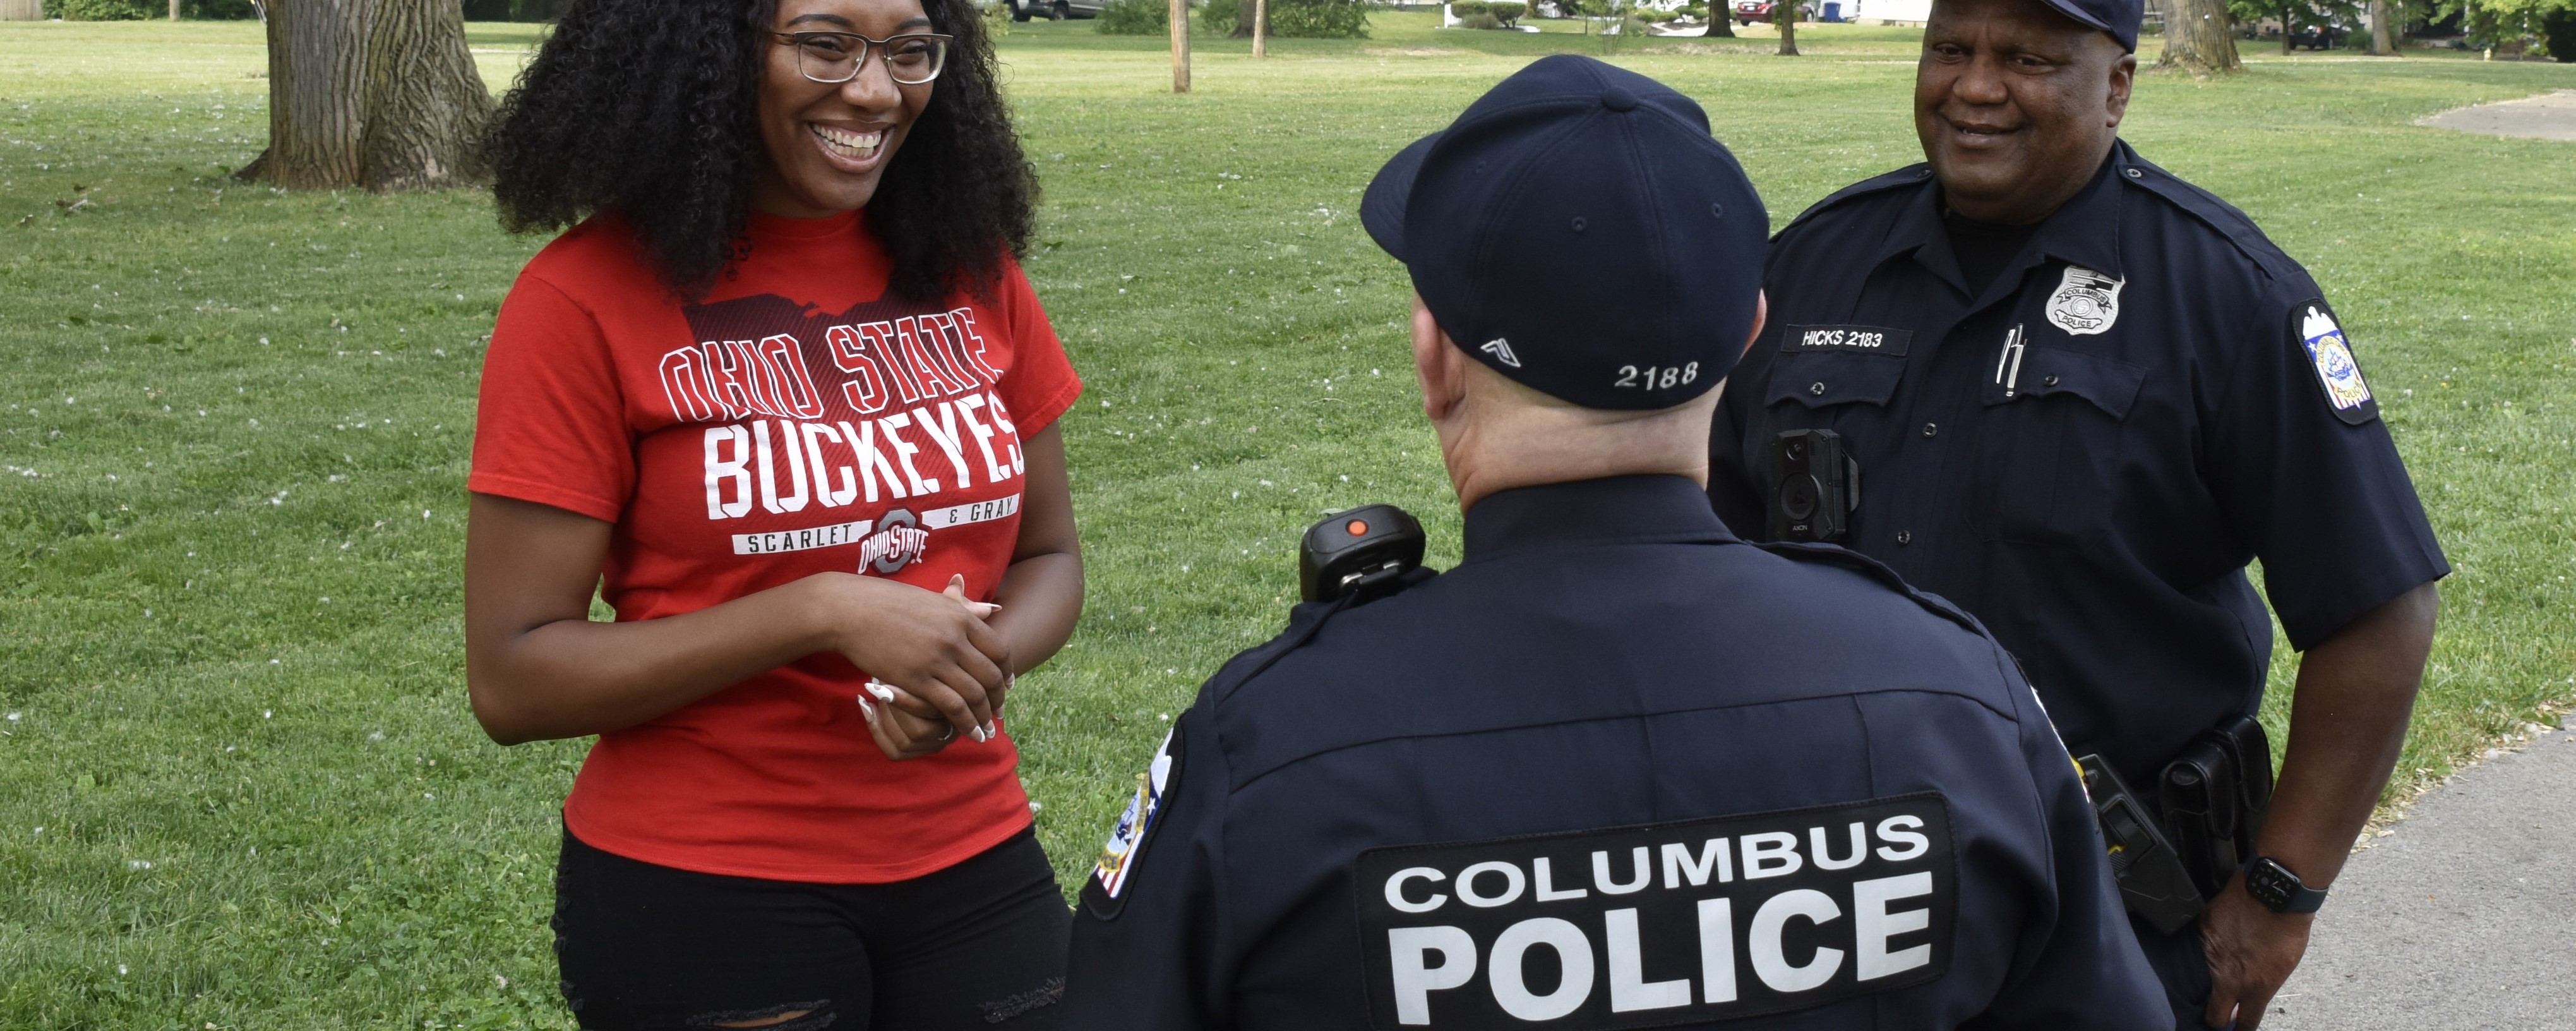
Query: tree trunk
{"points": [[2289, 29], [380, 94], [1721, 20], [1787, 22], [174, 10], [1180, 16], [2198, 39], [1260, 28], [2380, 42], [1243, 24]]}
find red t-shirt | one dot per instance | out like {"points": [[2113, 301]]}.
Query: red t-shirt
{"points": [[795, 421]]}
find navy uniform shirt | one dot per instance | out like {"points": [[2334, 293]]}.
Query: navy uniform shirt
{"points": [[2181, 400], [1616, 769]]}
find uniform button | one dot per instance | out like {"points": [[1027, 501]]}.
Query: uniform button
{"points": [[1931, 429], [1904, 536], [2136, 174], [1817, 387], [2049, 382]]}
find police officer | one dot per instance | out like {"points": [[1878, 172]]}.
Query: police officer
{"points": [[1618, 768], [2081, 394]]}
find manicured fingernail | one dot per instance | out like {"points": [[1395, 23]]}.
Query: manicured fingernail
{"points": [[867, 710], [883, 692], [990, 733]]}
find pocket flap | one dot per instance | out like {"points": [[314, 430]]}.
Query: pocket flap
{"points": [[1819, 378], [2111, 384]]}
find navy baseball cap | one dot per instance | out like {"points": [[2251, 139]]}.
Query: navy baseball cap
{"points": [[2120, 18], [1579, 231]]}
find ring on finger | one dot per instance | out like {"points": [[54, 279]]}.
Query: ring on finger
{"points": [[948, 732]]}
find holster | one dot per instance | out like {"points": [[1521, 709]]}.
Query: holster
{"points": [[2214, 796], [2151, 876]]}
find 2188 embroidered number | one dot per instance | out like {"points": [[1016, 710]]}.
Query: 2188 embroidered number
{"points": [[1656, 377]]}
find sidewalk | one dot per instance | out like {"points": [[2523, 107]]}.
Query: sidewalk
{"points": [[2549, 116], [2464, 917]]}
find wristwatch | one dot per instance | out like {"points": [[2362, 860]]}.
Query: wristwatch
{"points": [[2278, 889]]}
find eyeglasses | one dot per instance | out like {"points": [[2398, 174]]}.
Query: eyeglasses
{"points": [[837, 56]]}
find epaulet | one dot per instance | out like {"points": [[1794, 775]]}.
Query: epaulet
{"points": [[2221, 217], [1910, 175], [1836, 555], [1303, 622]]}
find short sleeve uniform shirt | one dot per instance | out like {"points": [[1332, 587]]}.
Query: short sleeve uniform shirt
{"points": [[1617, 769], [2086, 453]]}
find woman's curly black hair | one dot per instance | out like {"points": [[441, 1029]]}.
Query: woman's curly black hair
{"points": [[647, 109]]}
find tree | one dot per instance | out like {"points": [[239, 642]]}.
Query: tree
{"points": [[2381, 43], [2200, 38], [1721, 20], [2489, 22], [1784, 13], [380, 94], [1243, 22]]}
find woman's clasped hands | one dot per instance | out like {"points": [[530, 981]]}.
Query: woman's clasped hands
{"points": [[938, 671]]}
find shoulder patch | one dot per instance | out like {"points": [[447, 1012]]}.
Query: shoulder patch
{"points": [[1105, 894], [1685, 922], [2321, 340]]}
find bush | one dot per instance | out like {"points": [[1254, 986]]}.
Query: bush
{"points": [[1465, 9], [137, 10], [1507, 13], [1134, 18], [1320, 19], [1304, 19], [1479, 20]]}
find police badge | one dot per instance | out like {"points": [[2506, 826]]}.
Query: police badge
{"points": [[2331, 354], [2086, 302]]}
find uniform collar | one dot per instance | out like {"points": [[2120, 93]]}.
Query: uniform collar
{"points": [[1614, 510], [2086, 231]]}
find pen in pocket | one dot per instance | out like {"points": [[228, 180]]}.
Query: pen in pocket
{"points": [[2008, 365]]}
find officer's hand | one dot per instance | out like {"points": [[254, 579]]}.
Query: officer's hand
{"points": [[2251, 952]]}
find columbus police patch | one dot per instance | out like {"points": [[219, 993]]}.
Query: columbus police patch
{"points": [[2331, 355], [1688, 922], [2086, 302]]}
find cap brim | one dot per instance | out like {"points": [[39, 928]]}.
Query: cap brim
{"points": [[2076, 11], [1382, 206]]}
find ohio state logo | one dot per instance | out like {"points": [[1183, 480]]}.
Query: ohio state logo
{"points": [[898, 542]]}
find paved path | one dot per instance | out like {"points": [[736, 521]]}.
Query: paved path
{"points": [[2549, 116], [2464, 916]]}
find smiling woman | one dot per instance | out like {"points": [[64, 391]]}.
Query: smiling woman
{"points": [[782, 393]]}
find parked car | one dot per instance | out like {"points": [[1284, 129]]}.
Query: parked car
{"points": [[2320, 37], [1058, 10], [1749, 11]]}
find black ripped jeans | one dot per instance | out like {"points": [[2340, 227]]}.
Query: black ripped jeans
{"points": [[977, 945]]}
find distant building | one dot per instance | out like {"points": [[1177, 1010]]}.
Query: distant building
{"points": [[1888, 12]]}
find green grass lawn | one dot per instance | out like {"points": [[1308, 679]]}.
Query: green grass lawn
{"points": [[239, 786]]}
